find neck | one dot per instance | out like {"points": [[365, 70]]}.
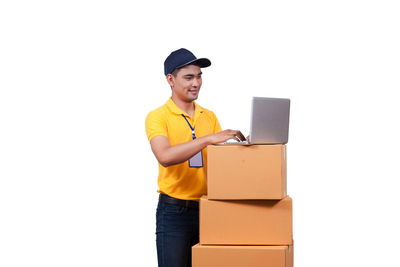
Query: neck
{"points": [[187, 107]]}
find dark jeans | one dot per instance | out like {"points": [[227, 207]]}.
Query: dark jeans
{"points": [[177, 231]]}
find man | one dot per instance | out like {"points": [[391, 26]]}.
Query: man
{"points": [[179, 132]]}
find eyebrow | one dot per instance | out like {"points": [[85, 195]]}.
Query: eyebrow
{"points": [[191, 75]]}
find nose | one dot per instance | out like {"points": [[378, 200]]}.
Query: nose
{"points": [[196, 82]]}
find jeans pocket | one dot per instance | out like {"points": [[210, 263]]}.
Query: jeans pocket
{"points": [[169, 209]]}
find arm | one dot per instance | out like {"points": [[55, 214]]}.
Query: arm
{"points": [[168, 155]]}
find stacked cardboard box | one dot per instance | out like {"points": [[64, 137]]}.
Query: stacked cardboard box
{"points": [[246, 218]]}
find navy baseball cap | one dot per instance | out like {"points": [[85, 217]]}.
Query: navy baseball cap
{"points": [[182, 57]]}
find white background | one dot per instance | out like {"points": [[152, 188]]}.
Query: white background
{"points": [[77, 78]]}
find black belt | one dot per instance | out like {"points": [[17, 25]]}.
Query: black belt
{"points": [[174, 201]]}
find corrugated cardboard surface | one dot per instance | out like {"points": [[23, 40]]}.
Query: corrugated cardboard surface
{"points": [[242, 256], [246, 222], [246, 172]]}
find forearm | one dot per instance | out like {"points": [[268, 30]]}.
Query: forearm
{"points": [[180, 153], [168, 155]]}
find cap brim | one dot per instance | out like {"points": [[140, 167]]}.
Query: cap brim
{"points": [[201, 62]]}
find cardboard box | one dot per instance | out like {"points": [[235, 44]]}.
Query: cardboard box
{"points": [[246, 222], [242, 256], [246, 172]]}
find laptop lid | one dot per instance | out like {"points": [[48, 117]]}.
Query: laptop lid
{"points": [[269, 120]]}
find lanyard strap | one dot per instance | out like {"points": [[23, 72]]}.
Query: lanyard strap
{"points": [[192, 128]]}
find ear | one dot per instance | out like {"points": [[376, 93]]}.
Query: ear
{"points": [[170, 79]]}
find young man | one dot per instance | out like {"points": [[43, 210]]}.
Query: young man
{"points": [[179, 132]]}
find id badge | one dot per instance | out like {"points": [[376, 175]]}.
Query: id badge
{"points": [[196, 161]]}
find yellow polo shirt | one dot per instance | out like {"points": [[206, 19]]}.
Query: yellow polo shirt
{"points": [[180, 180]]}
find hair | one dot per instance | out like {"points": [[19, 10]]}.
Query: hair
{"points": [[175, 72]]}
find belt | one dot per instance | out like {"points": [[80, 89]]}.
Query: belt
{"points": [[179, 202]]}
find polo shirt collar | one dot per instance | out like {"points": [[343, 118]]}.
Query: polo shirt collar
{"points": [[174, 108]]}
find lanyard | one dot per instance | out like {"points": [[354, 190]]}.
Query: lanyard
{"points": [[192, 128]]}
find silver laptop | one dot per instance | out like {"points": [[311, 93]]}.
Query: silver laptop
{"points": [[269, 122]]}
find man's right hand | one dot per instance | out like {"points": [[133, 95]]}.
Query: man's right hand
{"points": [[226, 135]]}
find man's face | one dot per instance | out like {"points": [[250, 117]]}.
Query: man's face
{"points": [[186, 85]]}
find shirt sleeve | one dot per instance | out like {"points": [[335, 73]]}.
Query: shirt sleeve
{"points": [[217, 127], [155, 125]]}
